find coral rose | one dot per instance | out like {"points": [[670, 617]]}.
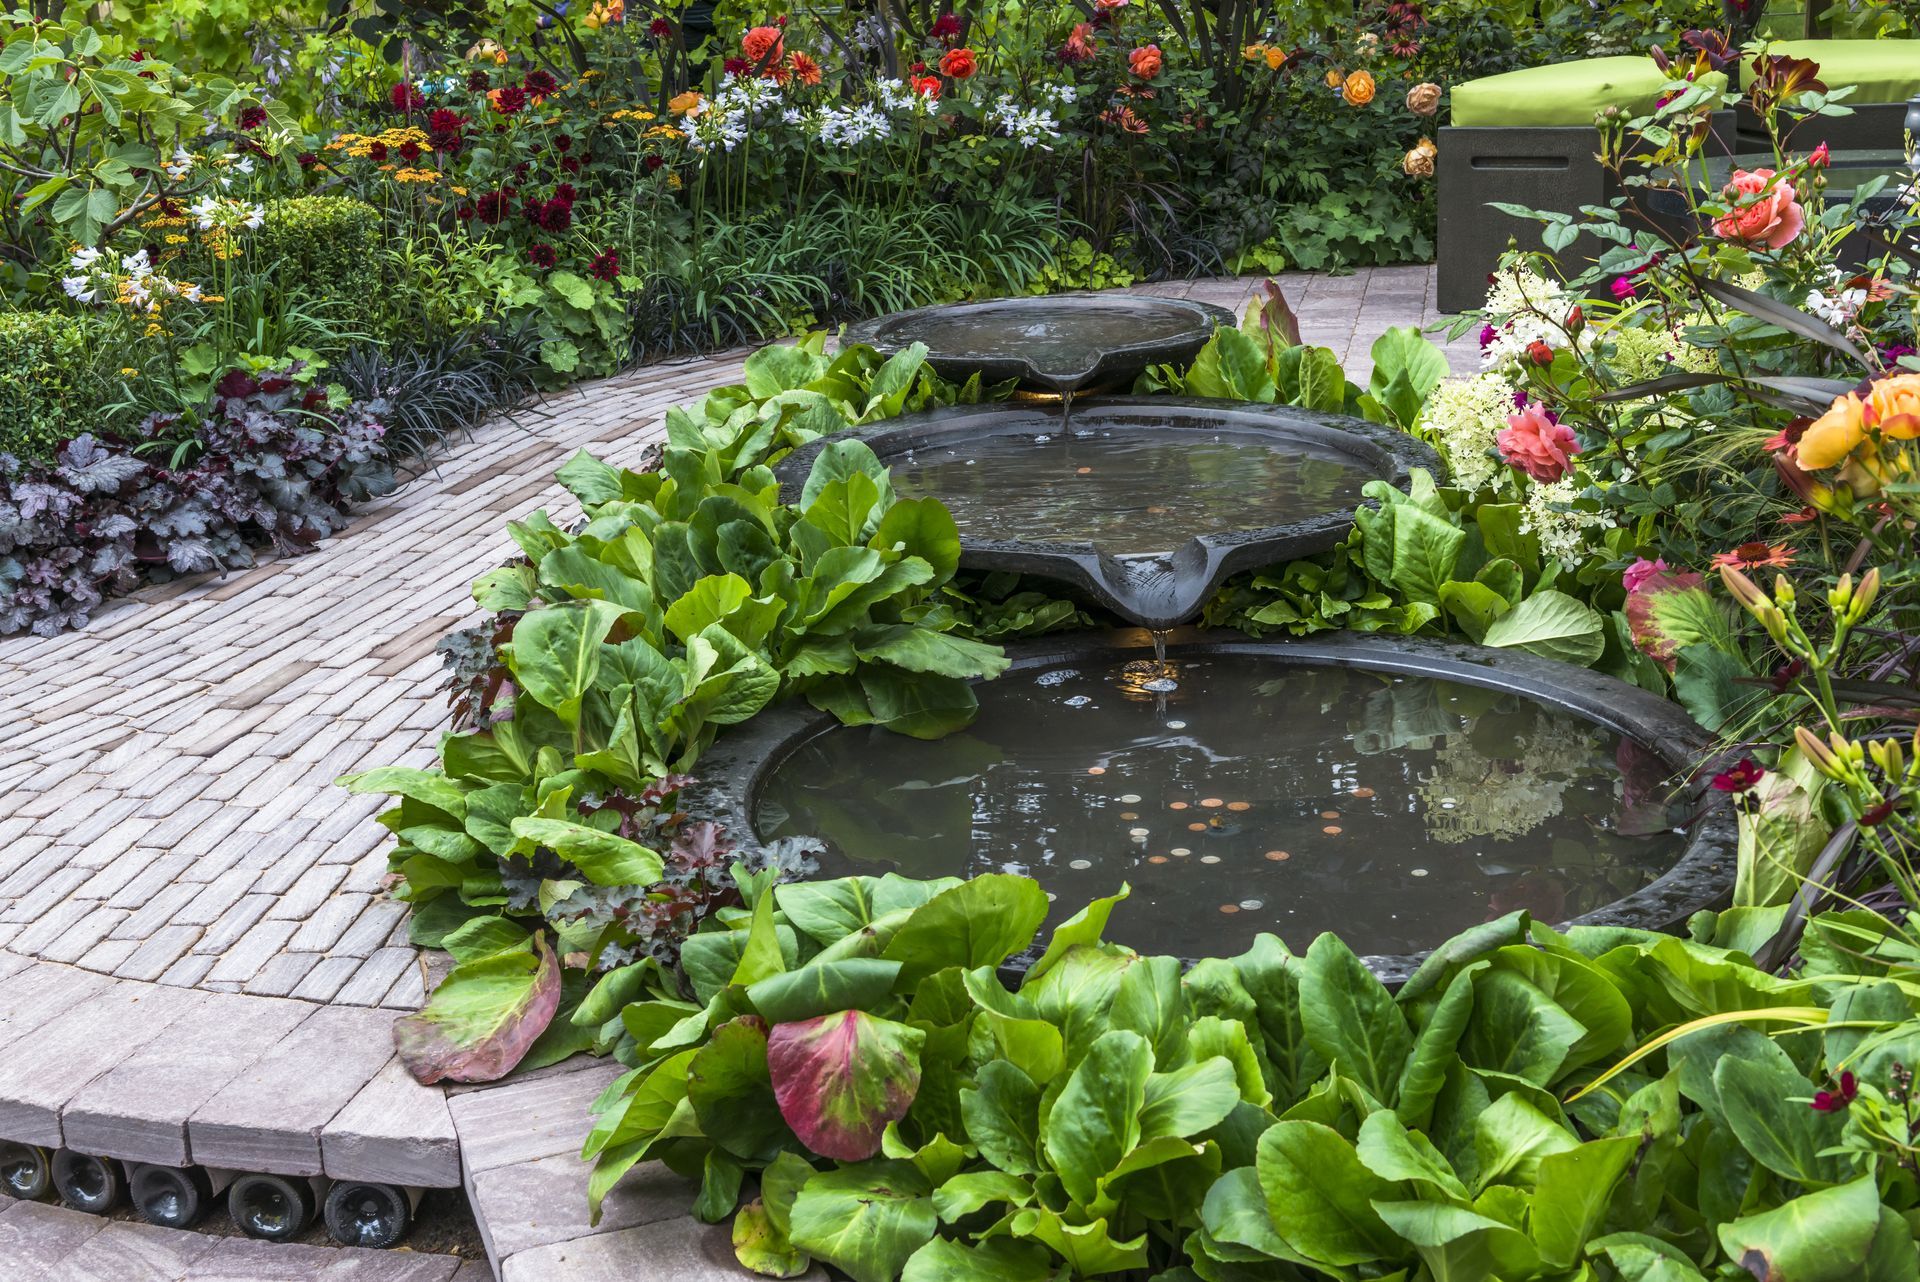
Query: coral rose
{"points": [[957, 64], [1145, 62], [762, 44], [1769, 213], [1424, 99], [1834, 435], [1893, 406], [927, 86], [1538, 444], [1358, 88]]}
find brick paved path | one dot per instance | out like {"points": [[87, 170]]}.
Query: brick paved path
{"points": [[167, 806]]}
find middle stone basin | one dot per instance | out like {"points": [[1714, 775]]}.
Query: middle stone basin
{"points": [[1142, 503]]}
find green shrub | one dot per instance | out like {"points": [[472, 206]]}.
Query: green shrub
{"points": [[324, 249], [53, 381]]}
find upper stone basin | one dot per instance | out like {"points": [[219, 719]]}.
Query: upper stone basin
{"points": [[1062, 344], [1143, 504]]}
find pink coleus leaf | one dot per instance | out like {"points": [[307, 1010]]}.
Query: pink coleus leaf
{"points": [[1665, 613], [841, 1078], [484, 1016]]}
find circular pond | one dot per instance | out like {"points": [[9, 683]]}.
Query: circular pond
{"points": [[1393, 792], [1061, 343], [1144, 503]]}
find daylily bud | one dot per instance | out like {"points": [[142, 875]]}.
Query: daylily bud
{"points": [[1782, 591], [1886, 754], [1744, 589], [1773, 621], [1840, 594], [1846, 750], [1869, 589], [1816, 752]]}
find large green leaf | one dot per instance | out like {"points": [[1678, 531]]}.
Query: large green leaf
{"points": [[1552, 625], [1758, 1099], [1827, 1236], [1571, 1198], [1320, 1196], [732, 1096], [994, 1260], [605, 858], [1090, 1249], [1002, 1112], [1096, 1119], [854, 983], [1350, 1018], [1188, 1100], [483, 1017], [1088, 926], [866, 1220], [763, 1248], [981, 922], [555, 653], [841, 1078]]}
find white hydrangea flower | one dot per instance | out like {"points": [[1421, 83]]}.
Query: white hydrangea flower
{"points": [[1461, 419], [1565, 532], [1524, 307]]}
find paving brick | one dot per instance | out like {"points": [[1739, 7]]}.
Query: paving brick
{"points": [[269, 1118], [35, 1237], [530, 1204], [41, 1073], [516, 1122], [395, 1131], [376, 975], [40, 993], [683, 1250], [138, 1109], [128, 1249]]}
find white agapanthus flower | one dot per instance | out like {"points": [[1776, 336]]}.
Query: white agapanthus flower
{"points": [[180, 165], [1028, 126], [1064, 95], [791, 116], [79, 288]]}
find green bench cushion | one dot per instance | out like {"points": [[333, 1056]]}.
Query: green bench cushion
{"points": [[1565, 93], [1882, 70]]}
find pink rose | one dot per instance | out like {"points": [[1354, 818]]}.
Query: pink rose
{"points": [[1766, 212], [1538, 444], [1640, 571]]}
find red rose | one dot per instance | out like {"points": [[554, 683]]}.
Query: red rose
{"points": [[957, 64]]}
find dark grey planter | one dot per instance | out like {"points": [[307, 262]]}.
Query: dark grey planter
{"points": [[1062, 343], [1153, 592]]}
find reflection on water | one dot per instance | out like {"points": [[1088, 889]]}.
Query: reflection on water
{"points": [[1145, 488], [1062, 336], [1396, 811]]}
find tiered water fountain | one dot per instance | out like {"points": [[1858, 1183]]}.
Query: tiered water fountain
{"points": [[1394, 791]]}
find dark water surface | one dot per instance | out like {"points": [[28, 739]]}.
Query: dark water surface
{"points": [[1145, 488], [1395, 811]]}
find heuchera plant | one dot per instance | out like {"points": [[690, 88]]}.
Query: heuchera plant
{"points": [[272, 465]]}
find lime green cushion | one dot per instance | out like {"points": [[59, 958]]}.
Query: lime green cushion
{"points": [[1881, 70], [1565, 93]]}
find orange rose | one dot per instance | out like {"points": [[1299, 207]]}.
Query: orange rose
{"points": [[1358, 88], [1145, 62], [762, 44], [1276, 58], [684, 104], [957, 64], [1334, 78]]}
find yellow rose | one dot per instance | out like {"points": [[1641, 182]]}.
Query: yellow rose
{"points": [[1358, 88], [681, 104], [1834, 435]]}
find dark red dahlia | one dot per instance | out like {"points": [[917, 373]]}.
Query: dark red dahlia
{"points": [[570, 163], [653, 163], [563, 143], [477, 81], [605, 265], [404, 97], [509, 100], [660, 29], [541, 83], [252, 117], [736, 66], [445, 121], [410, 151], [945, 27], [491, 207], [541, 254], [565, 192], [556, 215], [377, 153]]}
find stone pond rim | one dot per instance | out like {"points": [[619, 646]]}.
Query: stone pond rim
{"points": [[733, 770], [1148, 592], [1061, 342]]}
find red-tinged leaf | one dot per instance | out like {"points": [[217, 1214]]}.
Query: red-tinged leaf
{"points": [[841, 1078], [1668, 612], [483, 1017]]}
